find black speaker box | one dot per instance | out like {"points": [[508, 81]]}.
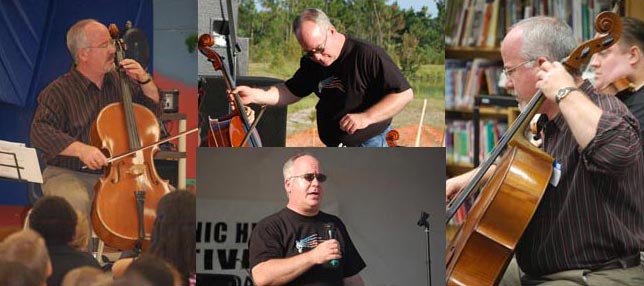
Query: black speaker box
{"points": [[214, 103], [168, 170]]}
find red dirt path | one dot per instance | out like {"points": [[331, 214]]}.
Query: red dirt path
{"points": [[430, 137]]}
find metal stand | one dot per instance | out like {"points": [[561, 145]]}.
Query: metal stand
{"points": [[425, 223]]}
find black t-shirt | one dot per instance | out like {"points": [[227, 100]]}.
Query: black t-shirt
{"points": [[287, 233], [635, 103], [361, 76]]}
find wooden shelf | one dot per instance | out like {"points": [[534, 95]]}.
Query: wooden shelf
{"points": [[173, 116], [468, 53], [170, 155], [486, 111]]}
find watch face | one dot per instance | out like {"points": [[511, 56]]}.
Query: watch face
{"points": [[561, 92]]}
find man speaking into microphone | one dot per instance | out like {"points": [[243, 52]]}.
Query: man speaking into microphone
{"points": [[301, 245]]}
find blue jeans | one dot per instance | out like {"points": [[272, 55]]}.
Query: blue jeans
{"points": [[378, 140]]}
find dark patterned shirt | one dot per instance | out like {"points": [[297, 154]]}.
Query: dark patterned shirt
{"points": [[596, 213], [635, 103], [68, 106]]}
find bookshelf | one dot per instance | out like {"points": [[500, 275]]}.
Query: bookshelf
{"points": [[579, 14], [474, 29], [465, 53]]}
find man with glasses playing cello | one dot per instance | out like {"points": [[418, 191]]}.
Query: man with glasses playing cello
{"points": [[68, 106], [301, 245]]}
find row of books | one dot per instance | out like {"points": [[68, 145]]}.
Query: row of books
{"points": [[459, 139], [483, 23], [461, 214], [466, 79]]}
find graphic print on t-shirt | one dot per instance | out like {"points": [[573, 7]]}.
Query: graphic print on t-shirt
{"points": [[308, 242], [330, 82]]}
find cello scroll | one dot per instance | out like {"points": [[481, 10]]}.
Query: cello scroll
{"points": [[234, 129]]}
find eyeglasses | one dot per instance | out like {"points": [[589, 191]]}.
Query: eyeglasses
{"points": [[508, 71], [319, 49], [310, 176], [109, 43]]}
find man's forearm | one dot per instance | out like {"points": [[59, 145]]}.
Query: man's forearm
{"points": [[389, 106], [283, 95], [281, 271], [582, 115], [74, 149], [151, 91]]}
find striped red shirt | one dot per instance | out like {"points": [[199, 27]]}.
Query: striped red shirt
{"points": [[68, 106], [596, 213]]}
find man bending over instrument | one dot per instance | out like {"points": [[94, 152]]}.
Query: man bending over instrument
{"points": [[589, 227], [68, 106], [359, 86]]}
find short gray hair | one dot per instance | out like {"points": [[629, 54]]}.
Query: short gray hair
{"points": [[545, 37], [28, 248], [314, 15], [77, 38], [287, 170]]}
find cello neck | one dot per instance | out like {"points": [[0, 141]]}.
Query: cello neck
{"points": [[128, 109]]}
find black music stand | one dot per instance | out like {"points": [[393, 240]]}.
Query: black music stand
{"points": [[15, 166], [425, 223], [19, 163]]}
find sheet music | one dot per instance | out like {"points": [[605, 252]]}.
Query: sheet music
{"points": [[27, 159]]}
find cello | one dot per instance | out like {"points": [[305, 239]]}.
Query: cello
{"points": [[234, 129], [483, 247], [125, 198]]}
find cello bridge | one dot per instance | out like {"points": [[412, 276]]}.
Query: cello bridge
{"points": [[136, 169]]}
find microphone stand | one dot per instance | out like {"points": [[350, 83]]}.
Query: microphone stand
{"points": [[425, 223]]}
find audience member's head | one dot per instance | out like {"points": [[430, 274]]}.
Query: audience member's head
{"points": [[86, 276], [173, 233], [55, 219], [149, 270], [28, 248], [81, 234], [14, 273]]}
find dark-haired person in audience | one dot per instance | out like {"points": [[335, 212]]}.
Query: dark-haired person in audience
{"points": [[625, 60], [55, 219], [150, 270], [28, 248], [173, 236]]}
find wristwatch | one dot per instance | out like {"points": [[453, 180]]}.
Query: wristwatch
{"points": [[564, 92], [146, 81]]}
